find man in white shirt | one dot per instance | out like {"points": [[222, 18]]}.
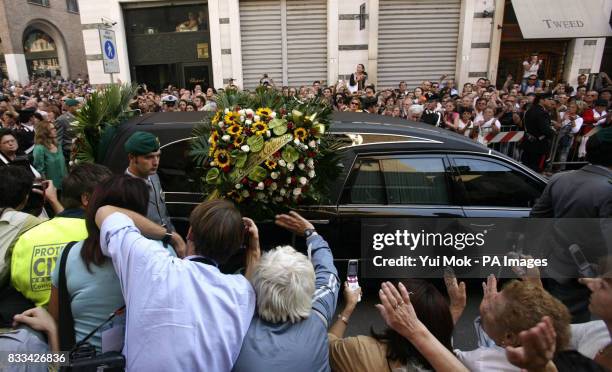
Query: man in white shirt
{"points": [[182, 314]]}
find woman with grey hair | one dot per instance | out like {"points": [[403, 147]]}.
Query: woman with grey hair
{"points": [[296, 301]]}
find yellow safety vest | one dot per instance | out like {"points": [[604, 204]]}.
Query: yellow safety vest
{"points": [[36, 252]]}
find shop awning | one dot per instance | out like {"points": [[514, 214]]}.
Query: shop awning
{"points": [[556, 19]]}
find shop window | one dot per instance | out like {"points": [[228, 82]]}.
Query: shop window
{"points": [[39, 2], [150, 21], [72, 6]]}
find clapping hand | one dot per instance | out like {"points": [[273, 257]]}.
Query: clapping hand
{"points": [[397, 311], [537, 348], [456, 293], [293, 222], [489, 292]]}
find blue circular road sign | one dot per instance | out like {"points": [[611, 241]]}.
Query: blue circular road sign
{"points": [[109, 49]]}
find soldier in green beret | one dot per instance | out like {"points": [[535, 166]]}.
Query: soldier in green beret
{"points": [[144, 153]]}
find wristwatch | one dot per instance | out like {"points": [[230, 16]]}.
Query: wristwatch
{"points": [[309, 232], [167, 237]]}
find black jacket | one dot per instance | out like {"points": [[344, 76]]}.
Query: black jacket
{"points": [[537, 123], [431, 117]]}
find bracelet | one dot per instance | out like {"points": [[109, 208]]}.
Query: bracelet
{"points": [[343, 318]]}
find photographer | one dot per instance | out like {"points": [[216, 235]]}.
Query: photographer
{"points": [[267, 81]]}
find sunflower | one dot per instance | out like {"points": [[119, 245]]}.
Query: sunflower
{"points": [[222, 158], [300, 133], [211, 149], [235, 195], [239, 141], [263, 112], [216, 118], [260, 128], [231, 117], [271, 164], [234, 130], [214, 138]]}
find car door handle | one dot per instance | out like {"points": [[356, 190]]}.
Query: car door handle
{"points": [[319, 222]]}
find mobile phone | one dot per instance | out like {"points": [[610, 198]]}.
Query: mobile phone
{"points": [[351, 276], [584, 266], [245, 237]]}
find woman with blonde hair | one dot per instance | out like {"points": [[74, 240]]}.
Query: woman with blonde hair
{"points": [[48, 158]]}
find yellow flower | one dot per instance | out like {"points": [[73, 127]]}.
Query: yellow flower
{"points": [[231, 117], [239, 141], [235, 195], [271, 164], [216, 118], [260, 128], [214, 138], [264, 112], [211, 149], [234, 130], [222, 158], [300, 133]]}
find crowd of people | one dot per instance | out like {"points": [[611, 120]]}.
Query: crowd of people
{"points": [[110, 248]]}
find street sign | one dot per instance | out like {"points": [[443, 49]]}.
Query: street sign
{"points": [[109, 51]]}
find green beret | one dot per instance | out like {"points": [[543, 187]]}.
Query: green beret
{"points": [[71, 102], [141, 143], [605, 135]]}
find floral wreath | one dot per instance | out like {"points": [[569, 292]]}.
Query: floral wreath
{"points": [[264, 153]]}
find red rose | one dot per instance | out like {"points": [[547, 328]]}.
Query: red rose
{"points": [[250, 115], [290, 125], [231, 146], [226, 169], [283, 111], [268, 182], [311, 154], [293, 180], [244, 181]]}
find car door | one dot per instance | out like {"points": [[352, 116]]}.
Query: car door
{"points": [[392, 186], [491, 187]]}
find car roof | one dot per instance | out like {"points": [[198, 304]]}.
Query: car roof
{"points": [[371, 132]]}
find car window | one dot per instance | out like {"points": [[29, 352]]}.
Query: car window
{"points": [[395, 181], [489, 183], [177, 171], [415, 181], [366, 185]]}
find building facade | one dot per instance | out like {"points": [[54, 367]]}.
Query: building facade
{"points": [[41, 38], [294, 42]]}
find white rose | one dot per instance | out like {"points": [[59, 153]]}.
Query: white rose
{"points": [[312, 144], [256, 117], [278, 199], [260, 186], [288, 180], [274, 175], [301, 166], [296, 141], [268, 134], [291, 166], [221, 125], [310, 163], [297, 191], [226, 110], [226, 137], [212, 164], [241, 112], [241, 117], [245, 193], [248, 122], [318, 142], [238, 186], [311, 174], [282, 163], [282, 192], [248, 111], [273, 114], [303, 181], [260, 195], [245, 148], [304, 146], [273, 186]]}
